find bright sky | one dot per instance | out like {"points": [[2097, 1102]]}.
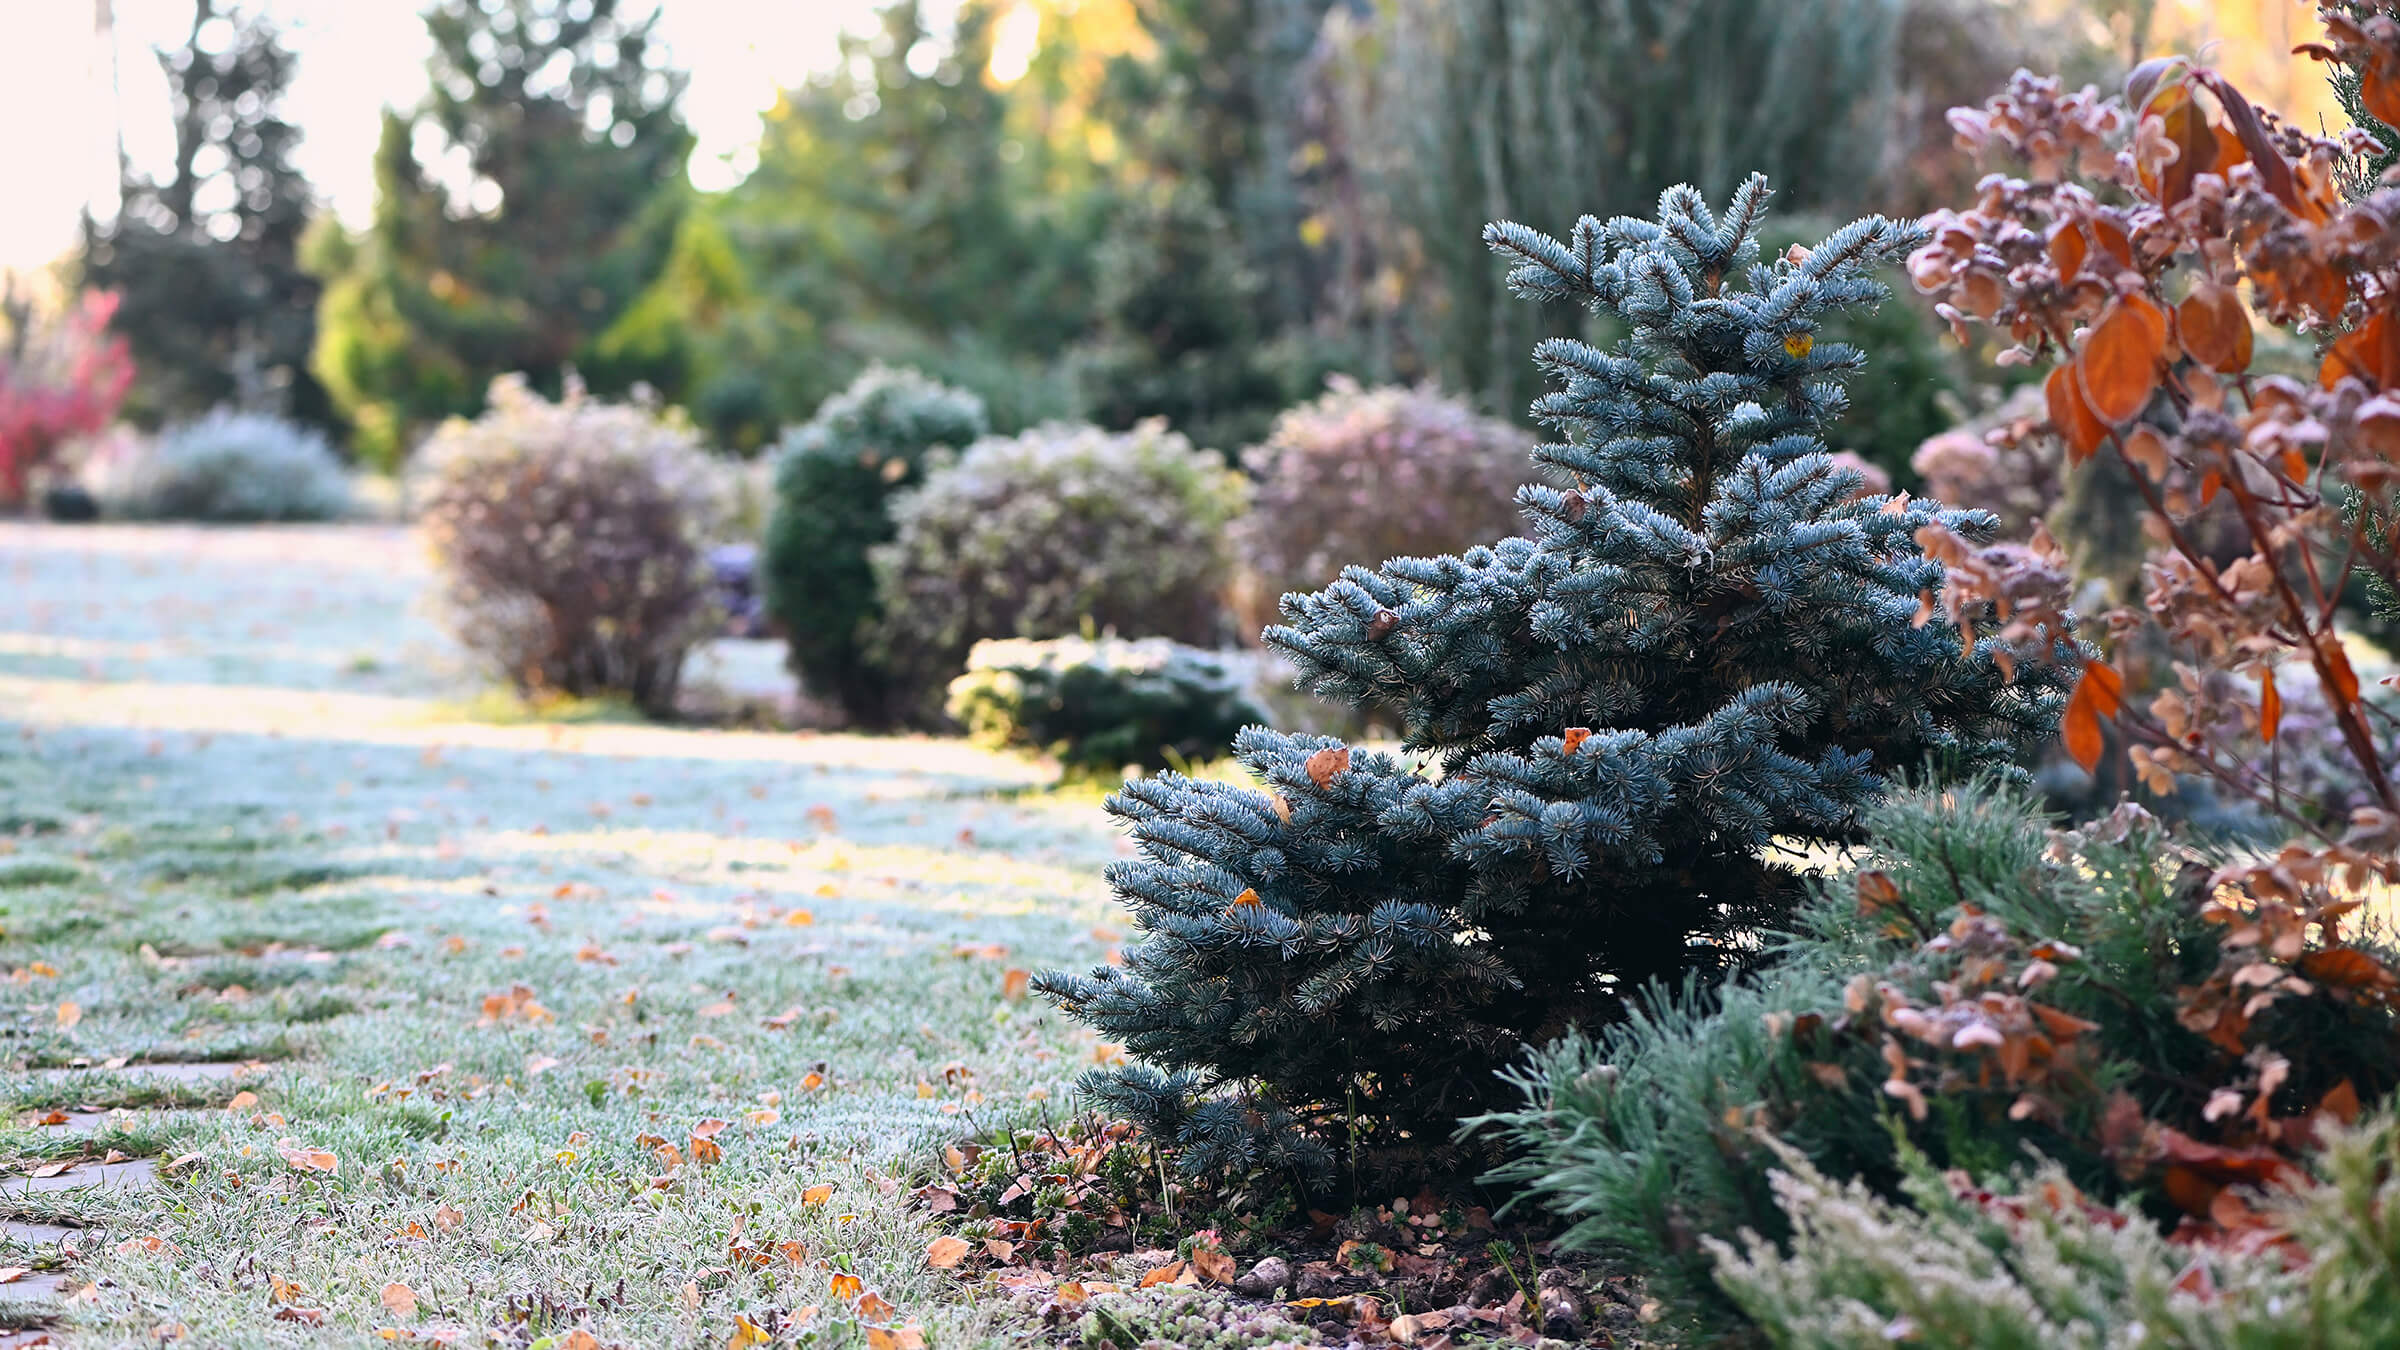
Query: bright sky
{"points": [[355, 57]]}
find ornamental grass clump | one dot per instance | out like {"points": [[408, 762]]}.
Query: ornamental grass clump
{"points": [[2033, 1261], [1062, 530], [572, 539], [2173, 1036], [1709, 646], [1369, 473]]}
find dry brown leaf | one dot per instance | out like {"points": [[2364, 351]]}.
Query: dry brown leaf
{"points": [[302, 1158], [401, 1299], [946, 1251], [1325, 764]]}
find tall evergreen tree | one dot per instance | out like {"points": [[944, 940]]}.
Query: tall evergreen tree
{"points": [[205, 259], [1455, 114], [518, 213], [1709, 649], [901, 211], [1216, 102]]}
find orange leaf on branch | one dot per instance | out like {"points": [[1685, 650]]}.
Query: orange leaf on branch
{"points": [[2379, 92], [2071, 416], [2369, 352], [2214, 328], [2098, 695], [2118, 366]]}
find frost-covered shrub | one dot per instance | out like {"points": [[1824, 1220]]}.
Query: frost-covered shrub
{"points": [[1064, 529], [1100, 704], [835, 477], [230, 466], [1364, 474], [2035, 1262], [572, 540]]}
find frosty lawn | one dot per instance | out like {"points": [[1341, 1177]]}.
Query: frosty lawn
{"points": [[484, 980]]}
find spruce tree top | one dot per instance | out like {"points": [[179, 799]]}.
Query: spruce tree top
{"points": [[1710, 643], [1701, 548]]}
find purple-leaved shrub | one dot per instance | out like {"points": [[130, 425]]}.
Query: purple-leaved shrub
{"points": [[1360, 475]]}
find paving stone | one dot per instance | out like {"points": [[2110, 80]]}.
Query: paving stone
{"points": [[37, 1286], [189, 1073], [76, 1122], [133, 1175], [203, 1071], [28, 1234]]}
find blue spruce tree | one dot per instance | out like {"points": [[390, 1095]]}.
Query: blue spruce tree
{"points": [[1708, 650]]}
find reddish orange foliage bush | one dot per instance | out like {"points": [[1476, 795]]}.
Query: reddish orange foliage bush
{"points": [[2143, 245]]}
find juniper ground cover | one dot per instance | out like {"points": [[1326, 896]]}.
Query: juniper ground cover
{"points": [[457, 1002]]}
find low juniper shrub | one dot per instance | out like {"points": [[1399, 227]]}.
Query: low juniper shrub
{"points": [[1100, 705]]}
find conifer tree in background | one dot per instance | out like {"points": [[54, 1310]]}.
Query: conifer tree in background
{"points": [[1178, 329], [560, 116], [205, 262], [898, 213], [1710, 647]]}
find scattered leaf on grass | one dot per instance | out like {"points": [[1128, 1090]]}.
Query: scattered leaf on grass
{"points": [[945, 1252], [401, 1299], [302, 1158]]}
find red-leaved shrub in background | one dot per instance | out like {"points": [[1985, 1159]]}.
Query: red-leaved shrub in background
{"points": [[2143, 243], [57, 382]]}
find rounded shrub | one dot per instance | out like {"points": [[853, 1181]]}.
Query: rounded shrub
{"points": [[1370, 473], [1058, 531], [834, 480], [1101, 704], [232, 467], [572, 539]]}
